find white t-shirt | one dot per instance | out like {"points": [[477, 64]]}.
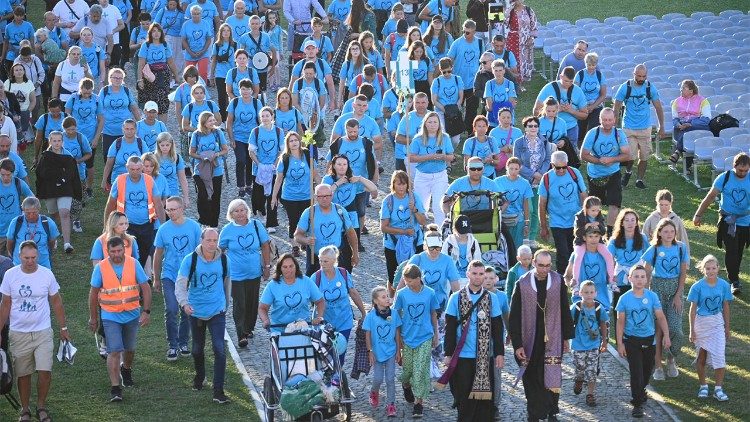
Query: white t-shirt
{"points": [[69, 77], [112, 14], [22, 91], [29, 295], [65, 15]]}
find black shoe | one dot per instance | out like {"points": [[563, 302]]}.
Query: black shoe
{"points": [[220, 397], [115, 394], [250, 335], [639, 184], [127, 376], [408, 394], [361, 247], [364, 230], [736, 288], [637, 411], [242, 342], [417, 412], [198, 383], [626, 178], [552, 418], [241, 192]]}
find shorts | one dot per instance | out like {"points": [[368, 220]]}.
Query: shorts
{"points": [[31, 352], [361, 200], [201, 65], [640, 143], [120, 336], [90, 161], [56, 204], [586, 364], [611, 193]]}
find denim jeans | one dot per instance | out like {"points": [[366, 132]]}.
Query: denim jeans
{"points": [[216, 326], [563, 246], [385, 371], [177, 335]]}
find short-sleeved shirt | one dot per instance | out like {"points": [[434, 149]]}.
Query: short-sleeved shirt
{"points": [[47, 123], [182, 93], [101, 30], [240, 26], [14, 34], [222, 67], [336, 294], [576, 98], [253, 45], [434, 47], [97, 250], [121, 155], [594, 268], [330, 227], [77, 146], [476, 148], [447, 89], [382, 334], [368, 127], [196, 35], [668, 259], [639, 312], [626, 257], [170, 169], [206, 293], [10, 202], [552, 130], [20, 171], [288, 120], [339, 9], [97, 282], [213, 141], [244, 118], [601, 145], [208, 12], [637, 106], [94, 56], [323, 43], [176, 241], [437, 274], [148, 133], [115, 107], [290, 302], [296, 186], [416, 314], [516, 192], [155, 53], [193, 110], [138, 35], [464, 184], [268, 145], [563, 199], [586, 324], [355, 151], [432, 146], [415, 124], [465, 57], [243, 245], [322, 69], [29, 294], [590, 84], [22, 91], [399, 216], [35, 232], [500, 93], [735, 196], [709, 300], [235, 75], [469, 350], [136, 199], [511, 61], [85, 112]]}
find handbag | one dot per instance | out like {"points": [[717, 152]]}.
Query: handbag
{"points": [[147, 73], [454, 121], [568, 148], [501, 158]]}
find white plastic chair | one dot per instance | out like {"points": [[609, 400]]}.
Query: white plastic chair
{"points": [[585, 21], [729, 133], [662, 47], [694, 46], [720, 158], [728, 13], [688, 146], [612, 19], [668, 95], [724, 43], [729, 66], [740, 113], [556, 22], [719, 23], [699, 31], [632, 50], [703, 153], [741, 141], [669, 17], [725, 106], [679, 21], [737, 51], [644, 57], [679, 39], [746, 124], [706, 91], [700, 15], [713, 36], [741, 74], [735, 90], [674, 80], [717, 99], [671, 34], [744, 99], [730, 30], [641, 18], [696, 68]]}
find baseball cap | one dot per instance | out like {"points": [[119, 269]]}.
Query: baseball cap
{"points": [[475, 165], [593, 229], [462, 224], [151, 105], [309, 43], [402, 26], [433, 241]]}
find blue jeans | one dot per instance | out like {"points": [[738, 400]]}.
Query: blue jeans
{"points": [[216, 325], [573, 135], [385, 371], [120, 336], [177, 335]]}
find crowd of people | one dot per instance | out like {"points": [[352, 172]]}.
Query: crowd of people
{"points": [[444, 305]]}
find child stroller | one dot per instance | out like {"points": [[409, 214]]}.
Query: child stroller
{"points": [[483, 211], [300, 31], [303, 353]]}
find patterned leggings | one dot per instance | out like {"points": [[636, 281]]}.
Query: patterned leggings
{"points": [[416, 370], [665, 288], [587, 364]]}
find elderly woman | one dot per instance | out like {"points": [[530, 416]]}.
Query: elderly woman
{"points": [[690, 111], [208, 147], [594, 87], [534, 153], [438, 269], [337, 287], [69, 73], [116, 104], [246, 243], [288, 296], [156, 56]]}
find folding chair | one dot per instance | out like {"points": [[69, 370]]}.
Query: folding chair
{"points": [[735, 90], [703, 154], [729, 133], [719, 159], [740, 113], [741, 141], [725, 106], [688, 145]]}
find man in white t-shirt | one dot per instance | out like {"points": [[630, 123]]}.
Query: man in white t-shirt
{"points": [[69, 12], [28, 290]]}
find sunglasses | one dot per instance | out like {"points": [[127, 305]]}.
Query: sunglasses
{"points": [[323, 196], [476, 168], [435, 247], [532, 126], [560, 167]]}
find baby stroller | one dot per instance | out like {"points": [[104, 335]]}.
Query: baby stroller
{"points": [[306, 354], [483, 210], [300, 31]]}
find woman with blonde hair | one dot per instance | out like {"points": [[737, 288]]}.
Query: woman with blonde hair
{"points": [[116, 226], [208, 169], [172, 166]]}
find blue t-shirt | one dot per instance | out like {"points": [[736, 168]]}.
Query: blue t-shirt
{"points": [[115, 107], [590, 84], [349, 71], [290, 302], [94, 56], [709, 300], [318, 86], [435, 47], [587, 323], [375, 58], [668, 259], [235, 75], [470, 346], [253, 45], [382, 334], [154, 53], [437, 274], [213, 141], [140, 278], [169, 169], [639, 312], [626, 257], [357, 155], [438, 7], [196, 35], [170, 20], [121, 156], [552, 130], [336, 294], [243, 245], [501, 139], [418, 147], [344, 195], [322, 69], [20, 171], [323, 43], [563, 199], [182, 93], [245, 118], [463, 184], [577, 98], [516, 192], [415, 124], [473, 147], [35, 232], [296, 186], [136, 199], [380, 4], [177, 241], [329, 228], [149, 132], [14, 34], [368, 127], [10, 202], [465, 57], [422, 71], [193, 110], [511, 63], [85, 112], [288, 120], [399, 216], [206, 292], [78, 146], [637, 107], [393, 44], [594, 268], [605, 146], [416, 309], [240, 26], [735, 196], [339, 9], [447, 89], [97, 250], [268, 144], [48, 123], [222, 67], [501, 94]]}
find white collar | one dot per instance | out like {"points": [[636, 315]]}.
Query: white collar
{"points": [[533, 281], [468, 290]]}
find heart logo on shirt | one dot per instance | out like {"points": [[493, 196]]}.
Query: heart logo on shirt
{"points": [[353, 155], [117, 103], [670, 265], [180, 242], [590, 87], [343, 195], [713, 303], [268, 145], [591, 270], [415, 310], [566, 190], [150, 138], [84, 112], [639, 316], [630, 255], [328, 229], [512, 195], [288, 125], [36, 237], [332, 295], [18, 37], [383, 331], [136, 198], [157, 55], [240, 30], [7, 201], [246, 242], [246, 116], [499, 98], [297, 173], [435, 49], [739, 196], [431, 149], [293, 300], [90, 57], [206, 147], [403, 214], [25, 291], [197, 35], [469, 56], [432, 277], [128, 154], [606, 149], [449, 92], [206, 14], [638, 102], [208, 280], [166, 168], [420, 74]]}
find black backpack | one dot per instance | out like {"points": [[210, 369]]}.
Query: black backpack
{"points": [[558, 93], [6, 380], [579, 76], [19, 223], [285, 159], [194, 263], [722, 121], [369, 155], [118, 145], [629, 89], [577, 314]]}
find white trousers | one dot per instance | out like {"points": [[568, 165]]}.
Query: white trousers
{"points": [[432, 186]]}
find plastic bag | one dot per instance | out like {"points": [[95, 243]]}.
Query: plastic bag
{"points": [[301, 400]]}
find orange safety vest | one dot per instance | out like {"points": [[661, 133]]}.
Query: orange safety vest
{"points": [[122, 182], [118, 295], [103, 240]]}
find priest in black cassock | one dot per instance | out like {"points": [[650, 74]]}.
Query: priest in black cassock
{"points": [[540, 327]]}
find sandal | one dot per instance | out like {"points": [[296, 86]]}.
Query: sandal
{"points": [[25, 416], [590, 400], [674, 157], [46, 418], [720, 395], [703, 392]]}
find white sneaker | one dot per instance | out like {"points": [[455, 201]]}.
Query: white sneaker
{"points": [[672, 370], [68, 248], [659, 374], [77, 226], [272, 230]]}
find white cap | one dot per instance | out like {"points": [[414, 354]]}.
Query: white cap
{"points": [[151, 105], [309, 43], [433, 241]]}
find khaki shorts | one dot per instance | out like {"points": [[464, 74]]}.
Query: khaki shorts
{"points": [[54, 205], [31, 352], [640, 143]]}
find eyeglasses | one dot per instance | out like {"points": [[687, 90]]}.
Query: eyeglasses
{"points": [[476, 168], [560, 167], [447, 72], [323, 196], [532, 126]]}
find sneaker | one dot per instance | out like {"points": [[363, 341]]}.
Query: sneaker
{"points": [[736, 288], [626, 178], [417, 412], [672, 370], [171, 355], [637, 411], [659, 374], [103, 351], [639, 184], [68, 248], [89, 193], [703, 392], [115, 394], [720, 395], [296, 252], [271, 230], [220, 397], [198, 383], [365, 231], [408, 394], [391, 410], [77, 226], [127, 376], [578, 387], [184, 350], [241, 192], [591, 400], [374, 398]]}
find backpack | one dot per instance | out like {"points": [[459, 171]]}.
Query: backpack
{"points": [[194, 263], [342, 271], [596, 137], [361, 78], [17, 182], [285, 160], [723, 182], [46, 120], [656, 252], [19, 222], [209, 103], [545, 180], [271, 244], [489, 140], [256, 133], [577, 311], [722, 121], [629, 89], [558, 93], [317, 84], [579, 76], [118, 145], [106, 92], [6, 380], [369, 154]]}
